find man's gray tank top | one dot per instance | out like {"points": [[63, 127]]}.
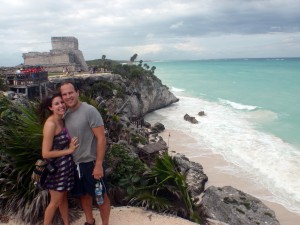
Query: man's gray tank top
{"points": [[79, 124]]}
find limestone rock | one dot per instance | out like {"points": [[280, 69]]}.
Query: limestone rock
{"points": [[233, 206], [195, 177], [158, 127], [191, 119], [215, 222], [154, 147], [201, 113], [142, 96]]}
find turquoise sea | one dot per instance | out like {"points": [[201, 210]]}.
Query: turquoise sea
{"points": [[252, 117]]}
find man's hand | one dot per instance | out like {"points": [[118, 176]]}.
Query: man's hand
{"points": [[98, 172]]}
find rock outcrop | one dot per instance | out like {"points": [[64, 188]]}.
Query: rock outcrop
{"points": [[189, 118], [201, 113], [195, 176], [141, 97], [233, 206]]}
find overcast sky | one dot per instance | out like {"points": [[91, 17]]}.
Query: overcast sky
{"points": [[154, 29]]}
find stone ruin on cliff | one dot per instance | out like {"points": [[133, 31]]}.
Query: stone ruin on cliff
{"points": [[64, 55]]}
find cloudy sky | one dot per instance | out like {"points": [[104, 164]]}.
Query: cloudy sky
{"points": [[154, 29]]}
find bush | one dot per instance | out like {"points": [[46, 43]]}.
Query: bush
{"points": [[3, 86], [128, 168]]}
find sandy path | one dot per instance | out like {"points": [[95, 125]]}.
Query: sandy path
{"points": [[138, 216], [129, 216]]}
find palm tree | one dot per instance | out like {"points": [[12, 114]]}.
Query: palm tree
{"points": [[133, 58], [103, 61], [146, 66], [141, 63], [153, 68]]}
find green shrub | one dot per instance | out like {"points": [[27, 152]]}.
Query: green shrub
{"points": [[104, 89], [136, 138], [128, 169], [3, 86]]}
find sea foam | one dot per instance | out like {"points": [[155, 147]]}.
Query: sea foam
{"points": [[174, 89], [265, 158], [261, 116], [236, 105]]}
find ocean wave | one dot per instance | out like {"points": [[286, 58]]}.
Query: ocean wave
{"points": [[261, 116], [176, 89], [238, 106], [228, 132]]}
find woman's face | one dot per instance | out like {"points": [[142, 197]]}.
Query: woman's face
{"points": [[58, 106]]}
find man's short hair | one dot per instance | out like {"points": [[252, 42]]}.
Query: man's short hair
{"points": [[69, 82]]}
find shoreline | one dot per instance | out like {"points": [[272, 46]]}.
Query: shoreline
{"points": [[213, 166]]}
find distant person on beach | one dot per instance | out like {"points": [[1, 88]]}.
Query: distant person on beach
{"points": [[85, 122], [57, 148]]}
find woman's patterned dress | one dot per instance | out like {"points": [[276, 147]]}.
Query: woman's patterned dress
{"points": [[63, 178]]}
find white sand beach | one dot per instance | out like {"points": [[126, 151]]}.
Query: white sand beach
{"points": [[211, 165]]}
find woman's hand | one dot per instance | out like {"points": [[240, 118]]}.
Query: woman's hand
{"points": [[73, 144]]}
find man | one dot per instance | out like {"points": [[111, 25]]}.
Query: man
{"points": [[85, 122]]}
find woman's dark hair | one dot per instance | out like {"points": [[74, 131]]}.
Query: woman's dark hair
{"points": [[44, 110]]}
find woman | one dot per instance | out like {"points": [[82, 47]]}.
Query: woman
{"points": [[57, 147]]}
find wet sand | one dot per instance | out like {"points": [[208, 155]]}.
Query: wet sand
{"points": [[213, 166]]}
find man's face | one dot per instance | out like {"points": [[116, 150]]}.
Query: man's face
{"points": [[69, 95]]}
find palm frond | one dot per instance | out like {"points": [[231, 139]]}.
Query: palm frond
{"points": [[165, 190], [147, 200], [21, 140]]}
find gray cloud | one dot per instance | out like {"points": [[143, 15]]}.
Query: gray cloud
{"points": [[190, 29]]}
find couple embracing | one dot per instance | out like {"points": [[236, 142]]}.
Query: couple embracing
{"points": [[74, 140]]}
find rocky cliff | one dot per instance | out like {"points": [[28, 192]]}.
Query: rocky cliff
{"points": [[132, 97]]}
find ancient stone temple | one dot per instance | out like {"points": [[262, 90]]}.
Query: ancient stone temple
{"points": [[64, 55]]}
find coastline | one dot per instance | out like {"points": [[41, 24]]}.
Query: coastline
{"points": [[213, 166]]}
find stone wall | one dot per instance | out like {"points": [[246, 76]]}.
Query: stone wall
{"points": [[45, 58], [60, 43], [64, 53], [58, 67]]}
